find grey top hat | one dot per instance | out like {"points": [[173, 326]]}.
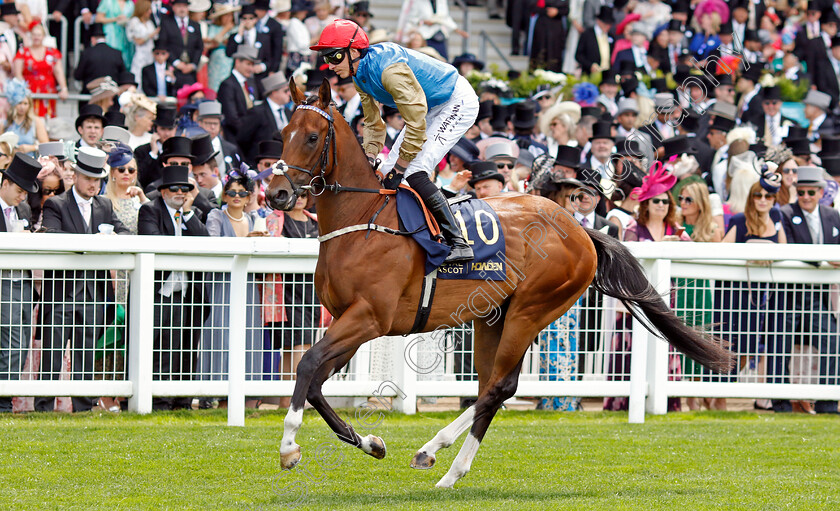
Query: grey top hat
{"points": [[810, 176], [52, 149], [116, 134], [274, 82], [818, 99], [627, 105], [246, 52], [209, 109], [664, 102], [91, 162], [726, 110], [499, 150]]}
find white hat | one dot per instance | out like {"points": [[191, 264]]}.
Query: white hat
{"points": [[627, 105], [570, 108]]}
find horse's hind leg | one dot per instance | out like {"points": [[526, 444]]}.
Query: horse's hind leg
{"points": [[486, 340]]}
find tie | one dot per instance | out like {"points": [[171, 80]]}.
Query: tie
{"points": [[86, 213], [768, 132], [178, 219], [814, 227], [604, 50], [584, 222], [8, 212], [248, 102], [183, 24]]}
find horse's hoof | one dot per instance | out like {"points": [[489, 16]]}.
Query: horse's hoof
{"points": [[422, 461], [289, 460], [374, 446]]}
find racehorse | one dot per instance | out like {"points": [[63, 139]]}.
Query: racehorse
{"points": [[371, 282]]}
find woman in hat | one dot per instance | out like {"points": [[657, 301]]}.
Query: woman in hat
{"points": [[784, 158], [223, 25], [114, 16], [50, 184], [122, 188], [708, 17], [559, 124], [141, 31], [41, 67], [21, 119], [139, 118]]}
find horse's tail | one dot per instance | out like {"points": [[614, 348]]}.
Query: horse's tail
{"points": [[620, 275]]}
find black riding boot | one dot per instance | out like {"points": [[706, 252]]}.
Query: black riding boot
{"points": [[439, 207]]}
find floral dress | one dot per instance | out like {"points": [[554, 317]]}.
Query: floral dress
{"points": [[558, 356], [39, 75]]}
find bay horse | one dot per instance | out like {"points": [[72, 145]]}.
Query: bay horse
{"points": [[371, 283]]}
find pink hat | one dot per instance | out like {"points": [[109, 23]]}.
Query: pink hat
{"points": [[658, 181], [710, 6]]}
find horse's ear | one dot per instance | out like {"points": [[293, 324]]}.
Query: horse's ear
{"points": [[324, 94], [297, 95]]}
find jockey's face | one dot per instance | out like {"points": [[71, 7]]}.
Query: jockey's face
{"points": [[342, 69]]}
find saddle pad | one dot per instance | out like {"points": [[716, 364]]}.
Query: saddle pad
{"points": [[485, 237]]}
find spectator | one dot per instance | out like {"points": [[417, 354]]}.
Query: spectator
{"points": [[576, 28], [595, 45], [250, 37], [50, 184], [182, 38], [42, 69], [351, 101], [73, 299], [13, 34], [89, 125], [524, 120], [140, 118], [504, 155], [19, 178], [323, 17], [179, 299], [114, 16], [146, 155], [360, 13], [559, 124], [98, 60], [219, 64], [602, 147], [239, 91], [102, 92], [122, 190], [141, 32], [270, 116], [548, 45], [158, 78], [460, 157], [487, 181], [268, 25], [298, 38], [783, 158], [466, 63], [21, 119], [434, 23], [205, 170], [708, 17]]}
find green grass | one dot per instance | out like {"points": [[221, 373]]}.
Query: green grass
{"points": [[529, 460]]}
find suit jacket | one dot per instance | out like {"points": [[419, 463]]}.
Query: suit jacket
{"points": [[264, 47], [796, 226], [234, 107], [148, 169], [760, 123], [149, 84], [601, 222], [258, 125], [24, 212], [97, 61], [203, 203], [587, 51], [61, 215], [825, 79], [276, 31], [170, 38], [231, 154], [154, 220]]}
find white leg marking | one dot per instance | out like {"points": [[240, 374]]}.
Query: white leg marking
{"points": [[462, 463], [291, 425], [450, 433]]}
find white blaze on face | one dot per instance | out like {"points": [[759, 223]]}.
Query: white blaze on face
{"points": [[292, 136]]}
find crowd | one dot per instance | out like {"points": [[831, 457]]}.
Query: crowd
{"points": [[676, 132]]}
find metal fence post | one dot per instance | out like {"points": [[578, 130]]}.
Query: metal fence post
{"points": [[63, 38], [405, 376], [77, 43], [236, 354], [638, 363], [657, 359], [141, 332]]}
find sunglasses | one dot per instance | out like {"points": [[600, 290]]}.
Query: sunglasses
{"points": [[801, 193], [501, 165], [334, 57], [768, 196], [49, 191], [659, 201], [234, 193], [179, 188], [687, 200], [575, 198], [123, 170], [788, 171]]}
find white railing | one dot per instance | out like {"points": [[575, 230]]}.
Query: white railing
{"points": [[646, 383]]}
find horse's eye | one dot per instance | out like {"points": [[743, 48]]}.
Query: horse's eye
{"points": [[312, 138]]}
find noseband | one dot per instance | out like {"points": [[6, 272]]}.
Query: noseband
{"points": [[280, 167]]}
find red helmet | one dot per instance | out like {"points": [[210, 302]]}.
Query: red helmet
{"points": [[342, 34]]}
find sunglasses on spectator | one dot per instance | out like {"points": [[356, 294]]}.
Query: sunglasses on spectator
{"points": [[123, 170], [334, 57], [575, 198], [687, 200], [234, 193], [659, 201], [49, 191], [503, 165], [801, 193], [768, 196], [788, 171], [4, 155], [179, 188]]}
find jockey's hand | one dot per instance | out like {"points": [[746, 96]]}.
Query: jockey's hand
{"points": [[373, 160]]}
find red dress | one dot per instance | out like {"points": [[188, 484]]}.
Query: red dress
{"points": [[39, 75]]}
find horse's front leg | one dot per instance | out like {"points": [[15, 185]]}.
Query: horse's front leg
{"points": [[338, 345]]}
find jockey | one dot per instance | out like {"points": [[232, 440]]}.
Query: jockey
{"points": [[438, 106]]}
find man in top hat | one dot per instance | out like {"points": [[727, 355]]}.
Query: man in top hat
{"points": [[178, 311], [270, 116], [608, 92], [602, 143], [205, 169], [98, 60], [524, 120], [817, 106], [500, 121], [73, 299], [772, 125], [462, 155], [266, 24], [239, 92], [158, 78], [668, 113], [89, 125], [482, 127], [248, 35], [210, 119], [595, 44], [566, 162], [749, 88], [505, 155], [11, 35], [467, 62], [809, 314], [628, 114], [486, 179], [268, 153], [182, 38], [146, 155], [18, 180], [808, 30], [359, 12]]}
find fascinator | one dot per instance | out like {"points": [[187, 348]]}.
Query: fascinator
{"points": [[119, 155], [657, 182], [16, 91], [770, 180]]}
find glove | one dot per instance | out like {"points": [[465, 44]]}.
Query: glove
{"points": [[394, 178]]}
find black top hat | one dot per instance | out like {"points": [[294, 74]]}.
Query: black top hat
{"points": [[773, 93], [626, 67], [173, 2], [675, 26], [753, 73], [796, 131], [501, 115], [126, 78], [23, 171], [160, 46], [835, 41], [589, 178], [345, 81], [301, 5], [485, 110], [606, 14], [165, 117], [682, 73], [202, 149], [175, 175], [482, 170], [568, 156], [602, 129], [96, 30], [832, 165], [468, 58], [261, 4], [115, 118], [90, 111], [389, 111], [829, 16], [726, 28], [722, 124], [830, 146], [660, 84], [360, 8], [592, 111], [759, 149], [314, 79], [629, 86], [525, 115], [176, 146], [628, 147], [799, 146], [248, 9], [271, 149], [465, 149], [8, 8], [680, 6], [724, 79], [677, 145], [690, 121]]}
